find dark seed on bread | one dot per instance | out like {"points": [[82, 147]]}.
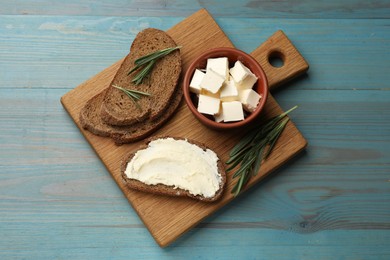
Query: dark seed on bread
{"points": [[162, 189], [117, 108]]}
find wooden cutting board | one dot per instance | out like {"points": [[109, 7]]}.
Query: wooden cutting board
{"points": [[168, 217]]}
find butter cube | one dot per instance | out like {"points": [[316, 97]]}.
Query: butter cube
{"points": [[232, 111], [212, 81], [229, 91], [249, 99], [208, 93], [196, 80], [219, 65], [248, 82], [218, 117], [243, 76], [208, 105]]}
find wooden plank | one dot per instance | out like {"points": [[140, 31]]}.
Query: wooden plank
{"points": [[292, 63], [356, 139], [245, 8], [167, 218], [54, 205], [57, 201], [60, 52]]}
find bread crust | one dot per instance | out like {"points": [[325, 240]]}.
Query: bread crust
{"points": [[90, 120], [145, 129], [96, 117], [161, 189], [117, 108]]}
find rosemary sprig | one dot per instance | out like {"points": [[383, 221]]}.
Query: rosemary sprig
{"points": [[134, 95], [148, 62], [255, 147], [143, 73]]}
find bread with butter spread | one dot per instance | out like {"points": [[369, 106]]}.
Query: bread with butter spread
{"points": [[172, 190]]}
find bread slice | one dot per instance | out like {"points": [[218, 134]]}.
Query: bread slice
{"points": [[144, 129], [117, 108], [91, 120], [162, 189]]}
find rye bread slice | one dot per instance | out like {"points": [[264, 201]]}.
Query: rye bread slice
{"points": [[144, 129], [91, 120], [161, 189], [117, 108]]}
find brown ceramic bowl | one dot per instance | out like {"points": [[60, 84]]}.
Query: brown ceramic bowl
{"points": [[261, 86]]}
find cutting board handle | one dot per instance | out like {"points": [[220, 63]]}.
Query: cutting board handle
{"points": [[280, 47]]}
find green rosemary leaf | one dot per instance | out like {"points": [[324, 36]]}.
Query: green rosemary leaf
{"points": [[237, 188], [246, 165], [241, 182], [155, 55], [288, 111], [275, 138], [259, 159], [254, 148], [133, 69], [137, 92], [273, 121], [147, 62], [243, 143], [144, 72], [246, 176], [134, 95], [140, 93], [233, 165], [133, 99], [237, 156]]}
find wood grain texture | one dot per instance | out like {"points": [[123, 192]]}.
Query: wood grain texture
{"points": [[168, 218], [246, 8], [292, 63], [60, 52], [57, 200]]}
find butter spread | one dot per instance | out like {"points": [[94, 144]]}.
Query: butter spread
{"points": [[176, 163]]}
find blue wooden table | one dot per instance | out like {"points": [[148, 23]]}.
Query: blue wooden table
{"points": [[57, 200]]}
